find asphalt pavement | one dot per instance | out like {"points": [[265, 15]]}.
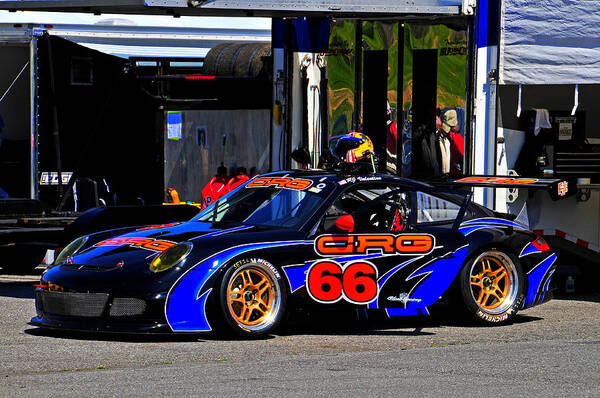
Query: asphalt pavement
{"points": [[550, 350]]}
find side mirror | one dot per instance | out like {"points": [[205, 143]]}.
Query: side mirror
{"points": [[345, 223]]}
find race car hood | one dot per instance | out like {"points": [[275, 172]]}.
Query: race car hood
{"points": [[123, 261]]}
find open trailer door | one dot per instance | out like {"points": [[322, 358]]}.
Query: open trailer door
{"points": [[16, 178]]}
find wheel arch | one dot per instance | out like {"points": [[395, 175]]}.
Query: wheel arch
{"points": [[453, 292]]}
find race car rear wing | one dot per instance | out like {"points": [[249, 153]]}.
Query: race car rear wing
{"points": [[556, 187]]}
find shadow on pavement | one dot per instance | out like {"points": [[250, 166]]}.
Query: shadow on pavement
{"points": [[117, 337], [309, 326], [339, 327], [381, 326], [17, 289], [592, 297]]}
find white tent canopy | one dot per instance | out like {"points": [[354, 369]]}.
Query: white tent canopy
{"points": [[243, 7], [163, 21], [550, 42], [138, 35], [155, 42]]}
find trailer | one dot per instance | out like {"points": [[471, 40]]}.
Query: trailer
{"points": [[85, 113]]}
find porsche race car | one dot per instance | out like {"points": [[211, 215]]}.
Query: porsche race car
{"points": [[301, 238]]}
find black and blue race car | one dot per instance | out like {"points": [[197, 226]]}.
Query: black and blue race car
{"points": [[302, 238]]}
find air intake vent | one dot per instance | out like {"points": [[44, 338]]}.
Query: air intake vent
{"points": [[72, 304], [127, 307]]}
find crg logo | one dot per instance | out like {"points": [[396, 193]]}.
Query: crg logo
{"points": [[142, 243], [335, 245], [498, 180], [280, 182]]}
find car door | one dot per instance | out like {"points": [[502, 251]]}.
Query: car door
{"points": [[392, 259], [416, 283]]}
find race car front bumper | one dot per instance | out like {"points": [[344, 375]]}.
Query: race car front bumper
{"points": [[100, 312]]}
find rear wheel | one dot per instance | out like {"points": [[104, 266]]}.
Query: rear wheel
{"points": [[492, 287], [253, 297]]}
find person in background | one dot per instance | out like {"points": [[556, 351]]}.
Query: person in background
{"points": [[426, 147], [241, 176], [453, 143], [215, 188], [392, 133]]}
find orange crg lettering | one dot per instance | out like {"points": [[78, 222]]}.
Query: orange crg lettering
{"points": [[328, 244], [375, 242], [497, 180], [280, 182], [473, 179], [159, 245], [414, 243], [260, 182], [524, 180], [112, 242], [299, 184], [138, 241], [144, 243]]}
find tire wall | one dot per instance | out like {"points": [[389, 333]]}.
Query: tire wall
{"points": [[236, 59]]}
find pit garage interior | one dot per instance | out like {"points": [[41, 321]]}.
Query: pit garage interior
{"points": [[390, 79], [329, 76], [100, 115]]}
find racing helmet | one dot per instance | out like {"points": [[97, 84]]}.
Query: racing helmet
{"points": [[351, 147]]}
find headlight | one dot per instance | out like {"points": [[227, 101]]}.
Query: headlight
{"points": [[70, 250], [170, 257]]}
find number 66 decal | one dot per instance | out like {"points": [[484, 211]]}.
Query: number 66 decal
{"points": [[328, 282]]}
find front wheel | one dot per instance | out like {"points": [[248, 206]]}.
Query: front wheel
{"points": [[252, 297], [492, 287]]}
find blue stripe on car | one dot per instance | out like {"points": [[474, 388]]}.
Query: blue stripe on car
{"points": [[470, 226], [436, 277], [529, 249], [535, 278], [185, 305], [387, 276]]}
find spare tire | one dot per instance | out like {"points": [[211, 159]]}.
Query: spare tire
{"points": [[236, 59], [210, 61]]}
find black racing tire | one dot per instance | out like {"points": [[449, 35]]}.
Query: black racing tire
{"points": [[492, 286], [211, 60], [21, 259], [252, 297], [227, 58]]}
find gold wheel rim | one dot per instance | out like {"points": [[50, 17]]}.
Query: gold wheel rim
{"points": [[490, 282], [250, 297]]}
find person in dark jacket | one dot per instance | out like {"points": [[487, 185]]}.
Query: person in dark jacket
{"points": [[428, 163]]}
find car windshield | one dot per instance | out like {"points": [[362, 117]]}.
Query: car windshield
{"points": [[259, 203]]}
